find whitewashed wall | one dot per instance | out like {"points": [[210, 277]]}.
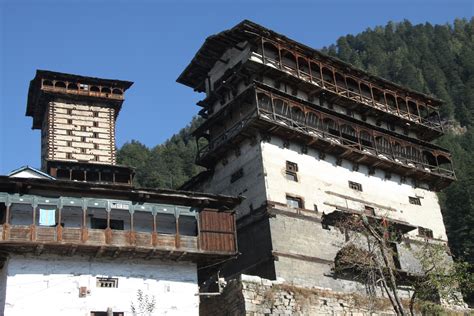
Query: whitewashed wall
{"points": [[50, 286], [320, 181]]}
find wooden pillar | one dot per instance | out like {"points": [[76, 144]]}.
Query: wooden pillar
{"points": [[84, 229], [59, 227], [7, 213], [132, 230], [154, 235], [198, 220], [372, 96], [177, 237], [33, 225], [396, 104], [6, 225], [385, 100], [108, 230]]}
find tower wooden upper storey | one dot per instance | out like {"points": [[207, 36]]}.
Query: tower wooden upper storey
{"points": [[76, 115], [259, 80]]}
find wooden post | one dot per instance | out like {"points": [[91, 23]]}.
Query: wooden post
{"points": [[108, 230], [33, 226], [59, 228], [154, 235], [6, 225], [177, 237], [198, 219], [84, 235], [132, 230]]}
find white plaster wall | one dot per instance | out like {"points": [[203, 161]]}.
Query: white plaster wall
{"points": [[50, 286], [320, 180]]}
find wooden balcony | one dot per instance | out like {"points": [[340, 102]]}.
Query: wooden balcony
{"points": [[273, 112], [350, 90], [199, 235]]}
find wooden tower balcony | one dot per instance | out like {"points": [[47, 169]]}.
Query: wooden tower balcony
{"points": [[272, 112]]}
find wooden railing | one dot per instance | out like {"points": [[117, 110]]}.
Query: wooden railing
{"points": [[349, 87], [301, 118], [215, 235]]}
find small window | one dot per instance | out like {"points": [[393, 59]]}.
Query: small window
{"points": [[84, 128], [69, 121], [292, 171], [107, 282], [369, 210], [95, 135], [236, 175], [355, 186], [96, 124], [294, 201], [316, 208], [68, 156], [69, 132], [414, 200], [425, 232], [96, 114]]}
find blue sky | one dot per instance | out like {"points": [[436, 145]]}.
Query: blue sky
{"points": [[150, 43]]}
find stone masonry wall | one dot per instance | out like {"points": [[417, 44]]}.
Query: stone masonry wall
{"points": [[254, 296]]}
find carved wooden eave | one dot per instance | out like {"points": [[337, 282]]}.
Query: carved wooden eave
{"points": [[49, 86], [197, 71], [87, 189]]}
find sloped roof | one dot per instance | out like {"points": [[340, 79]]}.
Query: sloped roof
{"points": [[41, 174]]}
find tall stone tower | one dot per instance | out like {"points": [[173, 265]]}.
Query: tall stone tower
{"points": [[77, 116], [310, 140]]}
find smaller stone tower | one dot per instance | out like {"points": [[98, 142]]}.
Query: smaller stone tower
{"points": [[77, 116]]}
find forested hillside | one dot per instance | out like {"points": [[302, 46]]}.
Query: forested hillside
{"points": [[435, 59], [166, 165]]}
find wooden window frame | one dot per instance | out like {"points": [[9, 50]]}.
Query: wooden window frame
{"points": [[414, 200], [425, 232], [299, 199], [291, 171], [355, 186]]}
